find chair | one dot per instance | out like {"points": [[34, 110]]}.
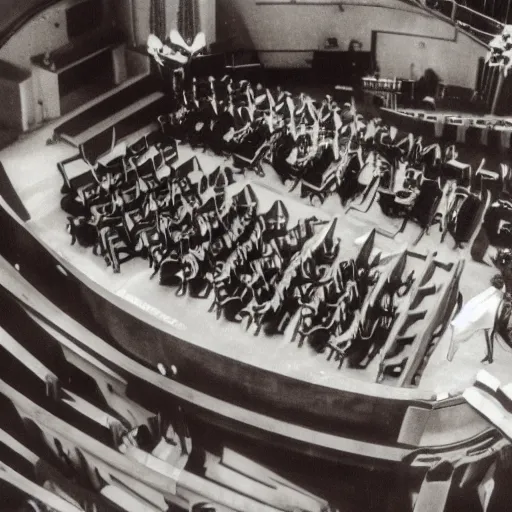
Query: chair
{"points": [[449, 133], [320, 190], [251, 158], [473, 136], [367, 198], [168, 146], [99, 146], [494, 141], [454, 169], [139, 147], [147, 166], [424, 209], [72, 185], [97, 167], [218, 180], [506, 173], [464, 215], [190, 168], [486, 179]]}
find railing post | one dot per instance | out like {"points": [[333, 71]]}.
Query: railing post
{"points": [[454, 7], [497, 92]]}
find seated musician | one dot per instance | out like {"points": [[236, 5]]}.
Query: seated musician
{"points": [[503, 262], [304, 113], [264, 101], [426, 89], [282, 109], [329, 118], [82, 231], [406, 187], [301, 152]]}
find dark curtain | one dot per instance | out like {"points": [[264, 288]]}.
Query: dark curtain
{"points": [[188, 20], [157, 19]]}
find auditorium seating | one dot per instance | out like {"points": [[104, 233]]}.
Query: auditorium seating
{"points": [[263, 272]]}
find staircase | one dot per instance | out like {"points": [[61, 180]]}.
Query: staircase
{"points": [[127, 109]]}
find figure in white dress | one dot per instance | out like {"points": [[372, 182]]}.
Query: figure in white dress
{"points": [[489, 311]]}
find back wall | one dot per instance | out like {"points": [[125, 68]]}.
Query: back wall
{"points": [[286, 34]]}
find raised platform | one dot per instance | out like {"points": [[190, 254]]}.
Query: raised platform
{"points": [[490, 132]]}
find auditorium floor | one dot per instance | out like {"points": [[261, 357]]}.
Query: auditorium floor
{"points": [[42, 197], [31, 165]]}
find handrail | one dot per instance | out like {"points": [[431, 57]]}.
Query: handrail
{"points": [[473, 21], [28, 12], [479, 24], [476, 23]]}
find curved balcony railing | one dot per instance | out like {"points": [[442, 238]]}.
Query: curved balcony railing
{"points": [[479, 25], [15, 14]]}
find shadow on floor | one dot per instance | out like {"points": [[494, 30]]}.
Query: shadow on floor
{"points": [[7, 136]]}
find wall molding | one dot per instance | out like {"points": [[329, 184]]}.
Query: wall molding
{"points": [[374, 5], [375, 33], [286, 50], [419, 11], [454, 39], [292, 3]]}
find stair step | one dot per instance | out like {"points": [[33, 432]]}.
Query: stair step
{"points": [[113, 105]]}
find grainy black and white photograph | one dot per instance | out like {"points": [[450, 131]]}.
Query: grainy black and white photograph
{"points": [[255, 256]]}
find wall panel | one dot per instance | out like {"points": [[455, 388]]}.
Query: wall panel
{"points": [[45, 32], [455, 62], [283, 29]]}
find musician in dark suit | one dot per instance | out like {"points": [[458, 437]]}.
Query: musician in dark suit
{"points": [[426, 89]]}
